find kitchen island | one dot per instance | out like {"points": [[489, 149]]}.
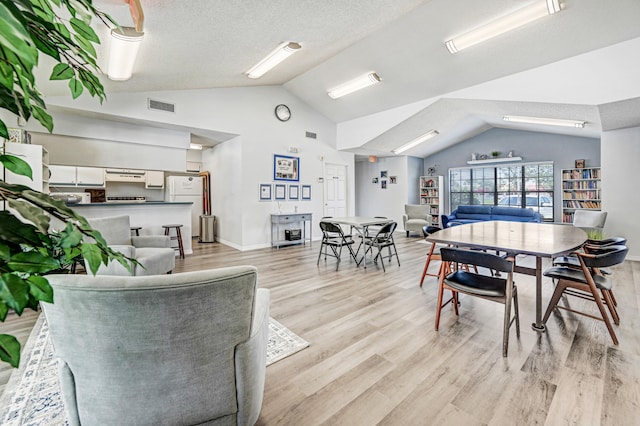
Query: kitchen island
{"points": [[150, 215]]}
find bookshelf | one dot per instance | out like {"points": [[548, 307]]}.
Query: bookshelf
{"points": [[580, 190], [432, 194]]}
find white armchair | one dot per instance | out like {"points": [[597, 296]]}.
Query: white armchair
{"points": [[153, 252], [415, 218]]}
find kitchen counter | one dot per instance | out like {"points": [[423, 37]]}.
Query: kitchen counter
{"points": [[150, 215]]}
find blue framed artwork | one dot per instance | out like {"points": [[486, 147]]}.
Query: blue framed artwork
{"points": [[281, 191], [306, 192], [294, 192], [265, 192], [286, 168]]}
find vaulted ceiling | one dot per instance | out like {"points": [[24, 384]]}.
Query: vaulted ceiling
{"points": [[580, 63]]}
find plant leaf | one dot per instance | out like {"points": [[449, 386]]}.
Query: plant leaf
{"points": [[14, 292], [14, 35], [71, 237], [17, 165], [10, 350], [15, 231], [92, 255], [62, 72], [33, 262], [76, 87], [40, 289], [33, 214], [84, 30], [43, 117]]}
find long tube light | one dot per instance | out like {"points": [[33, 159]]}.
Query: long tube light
{"points": [[547, 121], [125, 43], [520, 17], [278, 55], [417, 141], [354, 85]]}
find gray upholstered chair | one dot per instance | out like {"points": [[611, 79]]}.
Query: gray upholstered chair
{"points": [[179, 349], [415, 218], [154, 252], [589, 219]]}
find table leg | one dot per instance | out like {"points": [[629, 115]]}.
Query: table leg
{"points": [[538, 325]]}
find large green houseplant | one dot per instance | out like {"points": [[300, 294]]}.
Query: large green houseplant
{"points": [[39, 235]]}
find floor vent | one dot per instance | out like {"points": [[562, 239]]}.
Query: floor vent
{"points": [[161, 106], [311, 135]]}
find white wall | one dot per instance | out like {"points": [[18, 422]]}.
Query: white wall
{"points": [[238, 166], [620, 155], [372, 200]]}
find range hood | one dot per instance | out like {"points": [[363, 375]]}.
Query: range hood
{"points": [[124, 175]]}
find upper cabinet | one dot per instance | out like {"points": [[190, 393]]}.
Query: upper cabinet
{"points": [[77, 176], [154, 179]]}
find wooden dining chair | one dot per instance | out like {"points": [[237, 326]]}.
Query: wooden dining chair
{"points": [[467, 281], [588, 283], [432, 254]]}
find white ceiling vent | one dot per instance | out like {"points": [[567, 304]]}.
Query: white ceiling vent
{"points": [[161, 106], [311, 135]]}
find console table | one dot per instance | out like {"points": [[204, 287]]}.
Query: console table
{"points": [[283, 221]]}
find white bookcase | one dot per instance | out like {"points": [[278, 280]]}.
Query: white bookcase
{"points": [[432, 194], [580, 191]]}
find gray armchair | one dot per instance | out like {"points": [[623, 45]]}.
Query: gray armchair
{"points": [[415, 218], [154, 252], [186, 348]]}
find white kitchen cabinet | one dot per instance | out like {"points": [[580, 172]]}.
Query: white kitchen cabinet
{"points": [[37, 157], [90, 176], [77, 176], [154, 179]]}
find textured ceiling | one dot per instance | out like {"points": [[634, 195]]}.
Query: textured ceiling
{"points": [[211, 43]]}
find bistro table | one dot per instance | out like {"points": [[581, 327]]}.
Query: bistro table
{"points": [[360, 224], [535, 239]]}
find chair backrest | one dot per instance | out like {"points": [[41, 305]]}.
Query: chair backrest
{"points": [[416, 211], [429, 229], [605, 257], [386, 230], [331, 228], [478, 258], [589, 219], [115, 230], [158, 349]]}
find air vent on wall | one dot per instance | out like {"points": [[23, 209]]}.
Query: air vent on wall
{"points": [[311, 135], [161, 106]]}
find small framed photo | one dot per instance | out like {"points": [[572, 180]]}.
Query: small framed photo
{"points": [[281, 191], [286, 168], [383, 184], [579, 164], [306, 192], [393, 179], [374, 180], [294, 192], [265, 192], [383, 174]]}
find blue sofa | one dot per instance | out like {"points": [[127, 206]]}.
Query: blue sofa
{"points": [[471, 214]]}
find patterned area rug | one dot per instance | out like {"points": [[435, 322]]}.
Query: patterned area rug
{"points": [[32, 396]]}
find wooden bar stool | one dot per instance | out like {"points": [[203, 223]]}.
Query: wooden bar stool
{"points": [[136, 230], [178, 236]]}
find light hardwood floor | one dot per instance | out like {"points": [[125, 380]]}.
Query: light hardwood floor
{"points": [[374, 357]]}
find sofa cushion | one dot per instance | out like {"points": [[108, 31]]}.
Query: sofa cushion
{"points": [[482, 210], [512, 211]]}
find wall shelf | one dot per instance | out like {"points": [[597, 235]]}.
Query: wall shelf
{"points": [[495, 160]]}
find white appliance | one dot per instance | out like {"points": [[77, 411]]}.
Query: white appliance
{"points": [[186, 188], [124, 175], [72, 197]]}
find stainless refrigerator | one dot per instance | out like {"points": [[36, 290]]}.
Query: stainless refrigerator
{"points": [[186, 188]]}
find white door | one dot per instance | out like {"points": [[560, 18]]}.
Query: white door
{"points": [[335, 190]]}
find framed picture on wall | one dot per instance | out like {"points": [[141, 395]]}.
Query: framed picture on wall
{"points": [[265, 192], [579, 164], [306, 192], [286, 167], [294, 192], [281, 191]]}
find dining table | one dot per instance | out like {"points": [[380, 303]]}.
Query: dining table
{"points": [[360, 225], [541, 240]]}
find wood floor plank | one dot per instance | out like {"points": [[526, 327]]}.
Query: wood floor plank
{"points": [[374, 357]]}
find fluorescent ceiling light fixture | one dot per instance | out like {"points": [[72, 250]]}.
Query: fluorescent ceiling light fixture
{"points": [[547, 121], [539, 9], [195, 146], [280, 53], [417, 141], [125, 43], [356, 84]]}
